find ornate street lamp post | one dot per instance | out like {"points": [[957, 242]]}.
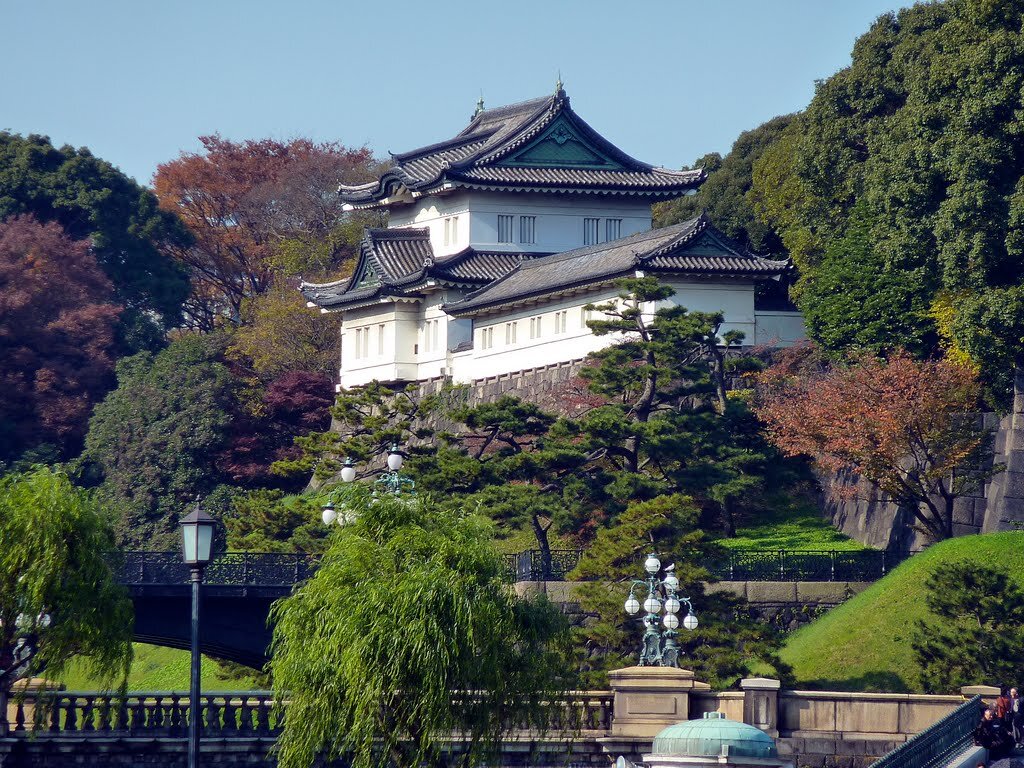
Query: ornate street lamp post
{"points": [[662, 594], [197, 543], [392, 482]]}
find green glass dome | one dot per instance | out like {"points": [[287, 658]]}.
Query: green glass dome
{"points": [[713, 736]]}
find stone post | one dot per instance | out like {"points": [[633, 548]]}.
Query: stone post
{"points": [[648, 699], [761, 703], [988, 693]]}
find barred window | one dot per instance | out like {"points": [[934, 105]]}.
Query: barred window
{"points": [[612, 228], [591, 230], [528, 229], [505, 228]]}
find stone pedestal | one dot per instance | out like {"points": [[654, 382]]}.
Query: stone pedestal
{"points": [[988, 693], [648, 699], [761, 703]]}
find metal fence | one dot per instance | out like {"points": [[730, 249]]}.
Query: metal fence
{"points": [[735, 565], [264, 569], [939, 743], [271, 569]]}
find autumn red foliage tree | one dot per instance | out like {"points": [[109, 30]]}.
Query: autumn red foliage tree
{"points": [[294, 404], [254, 207], [57, 337], [906, 425]]}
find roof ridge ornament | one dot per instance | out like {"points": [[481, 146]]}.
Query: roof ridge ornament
{"points": [[479, 106], [559, 90]]}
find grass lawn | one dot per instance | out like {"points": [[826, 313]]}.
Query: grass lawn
{"points": [[792, 524], [156, 668], [864, 644]]}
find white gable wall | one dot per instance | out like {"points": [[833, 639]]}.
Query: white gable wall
{"points": [[559, 220]]}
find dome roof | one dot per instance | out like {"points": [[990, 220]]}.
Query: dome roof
{"points": [[713, 736]]}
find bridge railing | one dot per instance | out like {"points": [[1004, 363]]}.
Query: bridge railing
{"points": [[274, 569], [939, 743], [157, 713], [229, 713], [265, 569], [736, 565]]}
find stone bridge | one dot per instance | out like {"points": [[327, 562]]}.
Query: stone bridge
{"points": [[820, 729]]}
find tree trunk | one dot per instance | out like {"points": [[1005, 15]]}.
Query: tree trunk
{"points": [[728, 519], [4, 726], [541, 534]]}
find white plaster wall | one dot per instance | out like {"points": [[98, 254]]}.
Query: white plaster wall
{"points": [[559, 219], [779, 329], [431, 212], [397, 360], [734, 300]]}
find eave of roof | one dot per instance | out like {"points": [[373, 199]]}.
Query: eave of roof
{"points": [[468, 160], [658, 251]]}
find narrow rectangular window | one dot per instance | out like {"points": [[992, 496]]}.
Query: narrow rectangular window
{"points": [[505, 228], [510, 333], [585, 316], [366, 342], [448, 231], [487, 338], [455, 230], [490, 338], [355, 346], [433, 335], [528, 229], [591, 230], [612, 229], [380, 340], [535, 327]]}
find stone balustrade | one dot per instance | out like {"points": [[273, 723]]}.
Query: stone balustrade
{"points": [[825, 729]]}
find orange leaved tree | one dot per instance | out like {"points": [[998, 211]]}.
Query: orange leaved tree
{"points": [[906, 425]]}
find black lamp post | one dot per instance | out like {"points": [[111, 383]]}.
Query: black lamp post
{"points": [[197, 541]]}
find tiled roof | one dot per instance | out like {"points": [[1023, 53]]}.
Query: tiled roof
{"points": [[692, 248], [487, 153], [395, 261]]}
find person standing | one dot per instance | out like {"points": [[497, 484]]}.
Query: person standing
{"points": [[1016, 718]]}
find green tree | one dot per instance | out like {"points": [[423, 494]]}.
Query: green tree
{"points": [[58, 597], [924, 128], [268, 521], [667, 424], [407, 635], [154, 440], [974, 633], [853, 300], [724, 195], [726, 642], [93, 200]]}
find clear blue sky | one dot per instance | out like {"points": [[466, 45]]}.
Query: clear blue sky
{"points": [[137, 81]]}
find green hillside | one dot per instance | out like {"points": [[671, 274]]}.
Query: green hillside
{"points": [[156, 668], [864, 644]]}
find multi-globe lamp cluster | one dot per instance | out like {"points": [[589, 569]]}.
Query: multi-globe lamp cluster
{"points": [[392, 482], [661, 596]]}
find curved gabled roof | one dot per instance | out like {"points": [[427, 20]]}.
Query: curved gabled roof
{"points": [[537, 145], [393, 262], [693, 248]]}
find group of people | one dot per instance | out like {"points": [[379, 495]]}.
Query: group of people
{"points": [[1002, 727]]}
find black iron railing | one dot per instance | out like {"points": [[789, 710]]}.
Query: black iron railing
{"points": [[736, 565], [258, 569], [939, 743]]}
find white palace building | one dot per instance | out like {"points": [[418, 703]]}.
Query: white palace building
{"points": [[498, 238]]}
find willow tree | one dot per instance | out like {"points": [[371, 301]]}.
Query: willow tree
{"points": [[409, 636], [58, 597]]}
